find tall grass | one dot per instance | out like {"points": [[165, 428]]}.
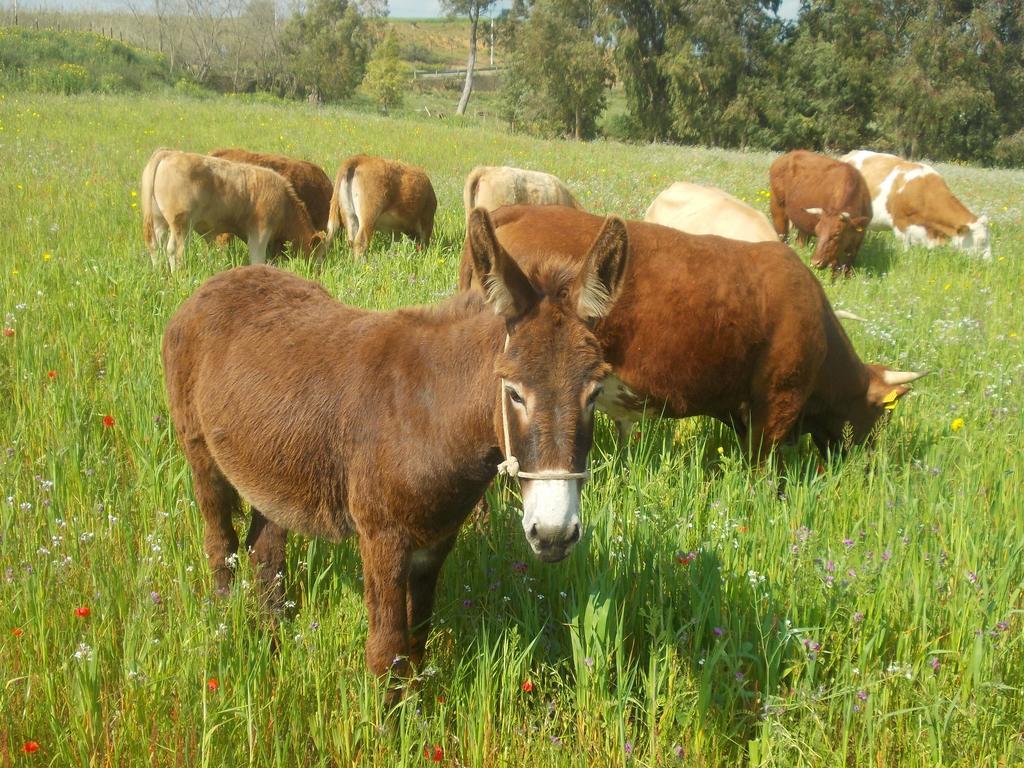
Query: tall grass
{"points": [[871, 616]]}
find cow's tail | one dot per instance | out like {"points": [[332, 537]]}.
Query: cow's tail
{"points": [[469, 191], [147, 199], [341, 200]]}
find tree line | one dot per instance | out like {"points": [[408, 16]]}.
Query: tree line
{"points": [[937, 78]]}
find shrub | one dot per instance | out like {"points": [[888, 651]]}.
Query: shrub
{"points": [[1009, 151]]}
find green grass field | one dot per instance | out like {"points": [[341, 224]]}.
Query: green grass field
{"points": [[871, 617]]}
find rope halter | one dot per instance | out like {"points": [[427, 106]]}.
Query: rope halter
{"points": [[510, 466]]}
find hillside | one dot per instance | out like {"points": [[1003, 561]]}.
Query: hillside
{"points": [[72, 62]]}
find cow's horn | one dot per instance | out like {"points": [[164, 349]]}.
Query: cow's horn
{"points": [[845, 215], [814, 211], [842, 314], [895, 378]]}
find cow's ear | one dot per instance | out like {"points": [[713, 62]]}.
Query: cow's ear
{"points": [[860, 222], [506, 288], [603, 271]]}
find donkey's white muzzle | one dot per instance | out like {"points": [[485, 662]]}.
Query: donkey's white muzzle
{"points": [[551, 516]]}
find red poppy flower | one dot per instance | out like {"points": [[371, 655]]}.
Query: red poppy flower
{"points": [[82, 611], [17, 631], [212, 684], [9, 332], [527, 686], [51, 375], [434, 753], [108, 421], [30, 747], [685, 558]]}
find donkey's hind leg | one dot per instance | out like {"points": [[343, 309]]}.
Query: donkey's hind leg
{"points": [[218, 501], [266, 546]]}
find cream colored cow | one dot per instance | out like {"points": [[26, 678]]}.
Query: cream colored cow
{"points": [[702, 210]]}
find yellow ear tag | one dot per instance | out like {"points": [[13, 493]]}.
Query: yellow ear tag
{"points": [[891, 399]]}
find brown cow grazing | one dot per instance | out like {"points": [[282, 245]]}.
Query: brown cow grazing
{"points": [[822, 197], [330, 419], [490, 187], [913, 201], [310, 182], [372, 193], [707, 326], [183, 191]]}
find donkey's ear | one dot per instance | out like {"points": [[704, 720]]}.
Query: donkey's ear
{"points": [[603, 271], [505, 286]]}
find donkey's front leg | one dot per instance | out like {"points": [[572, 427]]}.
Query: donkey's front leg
{"points": [[424, 568], [385, 584]]}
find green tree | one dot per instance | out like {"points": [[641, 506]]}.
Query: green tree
{"points": [[641, 29], [720, 56], [386, 75], [472, 9], [327, 48], [559, 71]]}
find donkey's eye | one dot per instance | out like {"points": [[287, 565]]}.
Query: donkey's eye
{"points": [[514, 395], [592, 399]]}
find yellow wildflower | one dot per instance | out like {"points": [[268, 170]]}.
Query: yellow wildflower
{"points": [[47, 257], [956, 425]]}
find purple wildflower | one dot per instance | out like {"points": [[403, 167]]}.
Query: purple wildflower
{"points": [[886, 555], [862, 695], [848, 542], [934, 664], [718, 631], [155, 597], [629, 747]]}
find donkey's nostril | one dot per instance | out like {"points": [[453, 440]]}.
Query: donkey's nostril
{"points": [[533, 531]]}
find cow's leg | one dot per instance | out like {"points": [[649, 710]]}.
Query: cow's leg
{"points": [[176, 243], [386, 558], [266, 546], [779, 219], [160, 233], [424, 569], [361, 242], [625, 429], [258, 244], [771, 420]]}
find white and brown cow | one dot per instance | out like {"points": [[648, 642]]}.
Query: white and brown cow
{"points": [[702, 210], [490, 187], [912, 200]]}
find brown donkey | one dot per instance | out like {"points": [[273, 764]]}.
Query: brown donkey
{"points": [[329, 419]]}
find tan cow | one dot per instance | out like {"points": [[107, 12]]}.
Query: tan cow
{"points": [[184, 191], [913, 201], [492, 186], [702, 210], [311, 184], [372, 193]]}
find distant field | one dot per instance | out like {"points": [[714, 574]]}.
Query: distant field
{"points": [[872, 617]]}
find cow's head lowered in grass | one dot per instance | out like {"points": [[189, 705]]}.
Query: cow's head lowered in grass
{"points": [[837, 233], [551, 372]]}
